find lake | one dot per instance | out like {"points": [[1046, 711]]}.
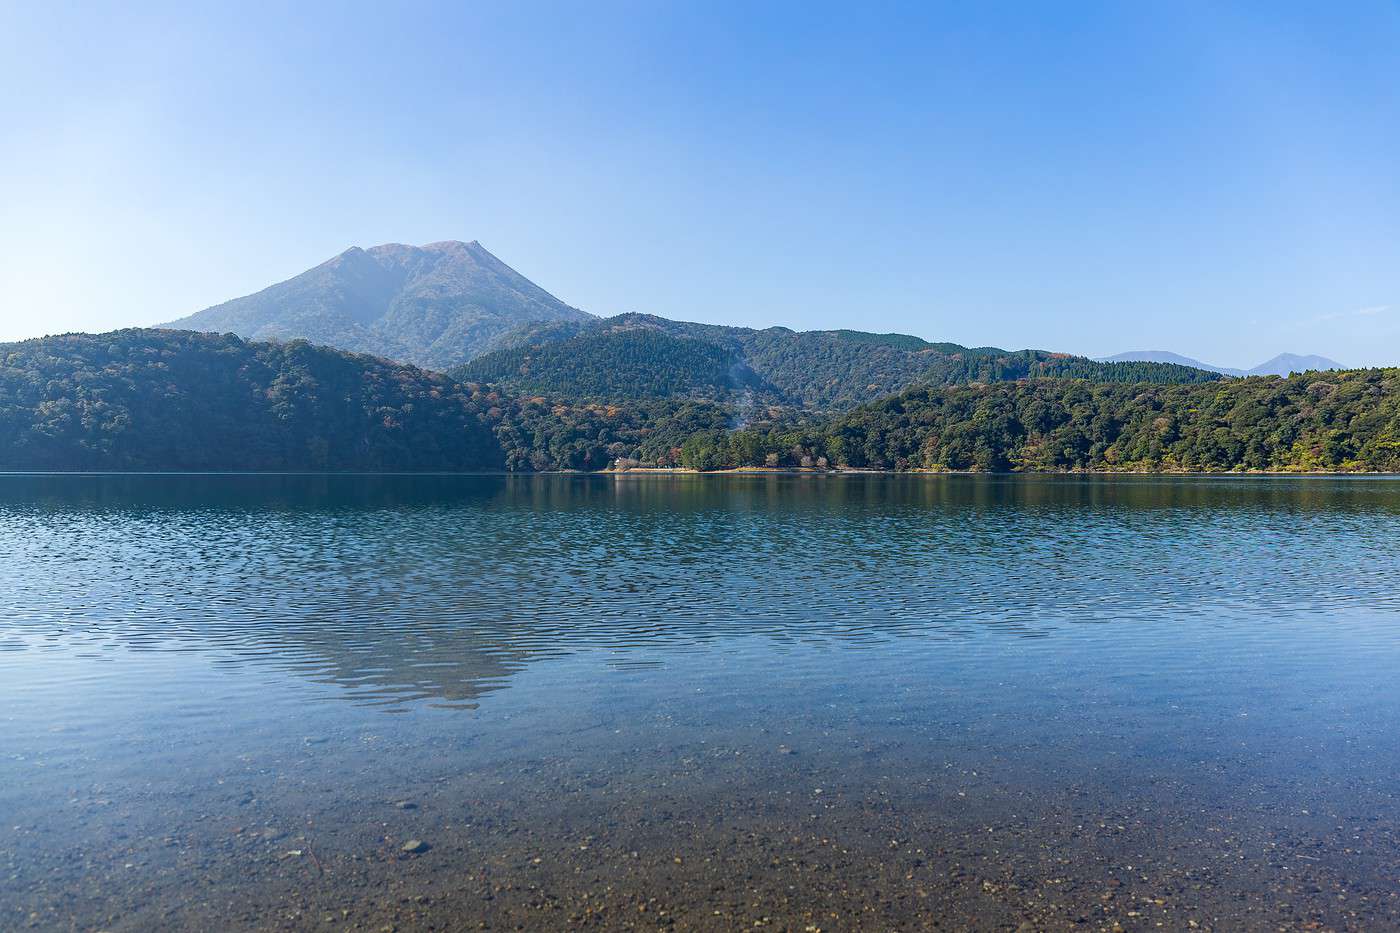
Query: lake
{"points": [[700, 702]]}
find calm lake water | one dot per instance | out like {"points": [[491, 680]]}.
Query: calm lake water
{"points": [[700, 702]]}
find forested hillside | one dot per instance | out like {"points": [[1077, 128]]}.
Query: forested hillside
{"points": [[636, 356], [543, 434], [1347, 421], [177, 400], [621, 365], [174, 400]]}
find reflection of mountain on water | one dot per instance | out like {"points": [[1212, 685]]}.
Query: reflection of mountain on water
{"points": [[408, 588], [378, 665]]}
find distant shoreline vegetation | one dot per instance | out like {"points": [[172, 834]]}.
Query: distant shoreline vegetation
{"points": [[173, 401], [853, 471]]}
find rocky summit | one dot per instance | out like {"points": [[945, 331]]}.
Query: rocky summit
{"points": [[435, 306]]}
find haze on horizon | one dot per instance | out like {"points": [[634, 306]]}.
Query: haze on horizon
{"points": [[1216, 181]]}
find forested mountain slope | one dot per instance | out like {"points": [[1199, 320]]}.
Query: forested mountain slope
{"points": [[620, 358], [625, 364]]}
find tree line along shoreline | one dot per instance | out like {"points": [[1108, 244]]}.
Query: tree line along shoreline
{"points": [[178, 401]]}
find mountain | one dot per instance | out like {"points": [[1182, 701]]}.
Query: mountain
{"points": [[1288, 363], [636, 356], [454, 306], [434, 306], [1281, 365], [1166, 356]]}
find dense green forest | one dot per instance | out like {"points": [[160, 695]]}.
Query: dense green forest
{"points": [[632, 364], [178, 400], [1346, 421], [174, 400], [637, 356], [544, 434]]}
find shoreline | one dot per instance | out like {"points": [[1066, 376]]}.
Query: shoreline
{"points": [[813, 471], [732, 471]]}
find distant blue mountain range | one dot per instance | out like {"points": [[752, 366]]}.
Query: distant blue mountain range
{"points": [[1281, 365]]}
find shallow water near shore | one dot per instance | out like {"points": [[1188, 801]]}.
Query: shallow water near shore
{"points": [[699, 702]]}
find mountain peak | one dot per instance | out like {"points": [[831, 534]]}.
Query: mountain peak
{"points": [[450, 245], [435, 305], [1166, 356], [1287, 363], [1281, 365]]}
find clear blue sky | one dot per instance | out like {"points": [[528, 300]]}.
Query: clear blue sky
{"points": [[1216, 179]]}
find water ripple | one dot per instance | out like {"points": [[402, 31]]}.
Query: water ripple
{"points": [[406, 589]]}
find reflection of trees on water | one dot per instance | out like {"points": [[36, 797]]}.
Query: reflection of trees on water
{"points": [[301, 493], [442, 587]]}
